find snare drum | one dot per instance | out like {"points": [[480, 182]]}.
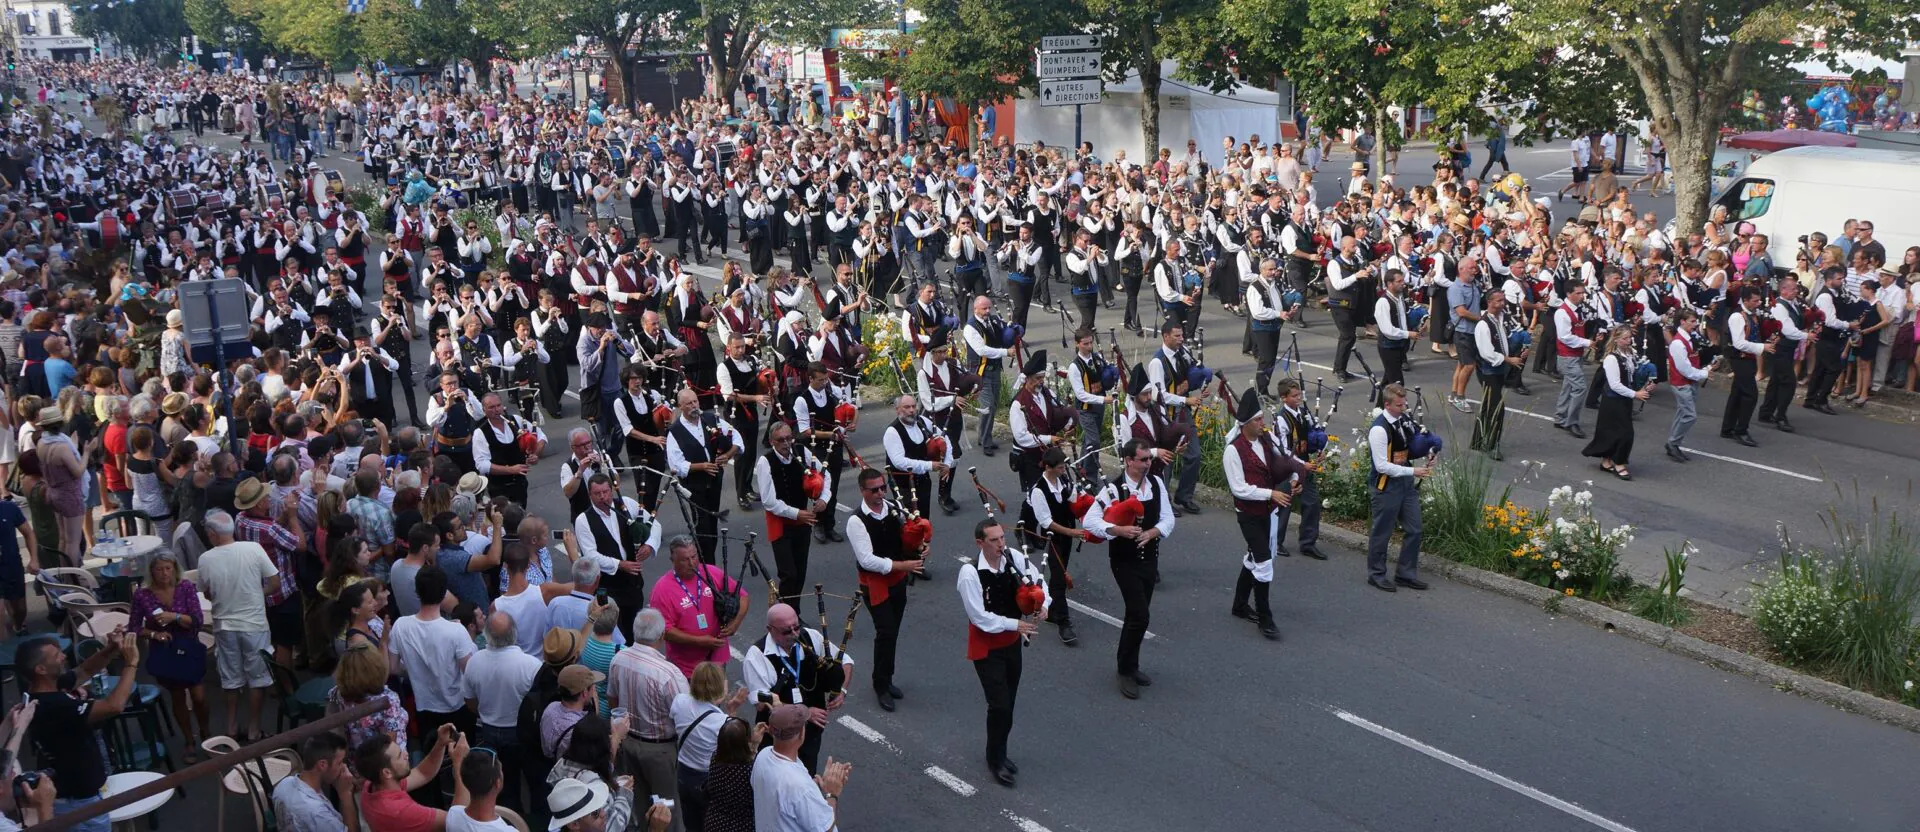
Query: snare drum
{"points": [[183, 200], [335, 185], [271, 192]]}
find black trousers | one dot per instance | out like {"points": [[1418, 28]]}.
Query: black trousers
{"points": [[1780, 383], [1344, 320], [999, 676], [510, 486], [706, 489], [1826, 370], [1130, 285], [915, 490], [886, 635], [1492, 419], [747, 422], [1133, 575], [1393, 362], [1087, 305], [790, 562], [1266, 350], [1544, 354], [1254, 530], [1742, 397], [1020, 292], [1059, 552]]}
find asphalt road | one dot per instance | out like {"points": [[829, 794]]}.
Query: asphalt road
{"points": [[1447, 710]]}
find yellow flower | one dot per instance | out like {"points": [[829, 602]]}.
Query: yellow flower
{"points": [[1569, 592], [1556, 564]]}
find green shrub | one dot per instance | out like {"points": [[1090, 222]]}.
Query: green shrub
{"points": [[1662, 604], [1797, 612]]}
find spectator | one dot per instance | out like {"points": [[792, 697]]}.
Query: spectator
{"points": [[697, 717], [569, 611], [728, 792], [433, 653], [421, 542], [33, 802], [578, 807], [300, 805], [644, 682], [524, 602], [166, 611], [465, 554], [685, 597], [482, 776], [577, 698], [280, 538], [589, 758], [238, 577], [375, 518], [14, 568], [385, 804], [65, 731], [494, 682], [786, 798], [362, 675], [534, 531], [602, 644]]}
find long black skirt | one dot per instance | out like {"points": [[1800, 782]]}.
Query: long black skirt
{"points": [[1613, 430]]}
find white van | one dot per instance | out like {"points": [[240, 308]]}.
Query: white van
{"points": [[1800, 190]]}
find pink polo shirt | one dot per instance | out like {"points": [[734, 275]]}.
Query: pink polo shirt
{"points": [[686, 605]]}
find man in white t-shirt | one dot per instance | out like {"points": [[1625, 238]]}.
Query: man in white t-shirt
{"points": [[482, 775], [495, 681], [237, 577], [785, 797], [432, 651]]}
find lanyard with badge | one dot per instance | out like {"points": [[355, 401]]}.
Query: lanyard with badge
{"points": [[793, 667], [699, 618]]}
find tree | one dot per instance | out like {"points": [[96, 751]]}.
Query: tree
{"points": [[216, 23], [732, 32], [150, 28], [436, 31], [1693, 60], [323, 31], [1135, 38], [624, 29], [968, 50]]}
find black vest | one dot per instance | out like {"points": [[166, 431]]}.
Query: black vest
{"points": [[1121, 547], [884, 533], [504, 453], [789, 478], [999, 590], [989, 334], [1060, 507], [913, 449], [641, 420]]}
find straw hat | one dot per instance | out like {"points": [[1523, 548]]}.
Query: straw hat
{"points": [[572, 800], [49, 417], [471, 484], [173, 404], [175, 319], [248, 494]]}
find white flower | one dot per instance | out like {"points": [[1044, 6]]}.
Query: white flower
{"points": [[1563, 574], [1909, 684]]}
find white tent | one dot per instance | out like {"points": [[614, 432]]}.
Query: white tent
{"points": [[1187, 111]]}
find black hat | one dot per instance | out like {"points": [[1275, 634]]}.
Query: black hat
{"points": [[1137, 381], [1036, 363], [1249, 409], [831, 312], [939, 340], [599, 320], [361, 330]]}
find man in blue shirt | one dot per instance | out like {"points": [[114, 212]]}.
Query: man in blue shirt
{"points": [[1463, 298], [13, 579], [465, 555]]}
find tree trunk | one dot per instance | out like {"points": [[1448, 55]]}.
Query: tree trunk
{"points": [[1379, 140], [619, 77], [722, 68], [1690, 153], [1149, 104]]}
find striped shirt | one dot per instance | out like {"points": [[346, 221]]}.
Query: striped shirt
{"points": [[644, 682], [279, 544], [598, 655]]}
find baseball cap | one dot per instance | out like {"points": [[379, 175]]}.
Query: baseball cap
{"points": [[788, 721], [576, 678]]}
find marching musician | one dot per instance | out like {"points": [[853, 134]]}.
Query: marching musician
{"points": [[987, 346], [1262, 475], [1088, 380], [1032, 412], [1395, 493], [1168, 371], [1792, 316], [500, 455], [645, 439], [452, 414], [834, 347], [843, 226], [1176, 281], [873, 532], [1397, 333], [620, 536], [1265, 312], [1571, 346], [1133, 549], [781, 475], [1750, 347], [1490, 349], [912, 459], [689, 314], [1610, 305], [368, 371], [1686, 376], [1653, 298], [815, 417], [1021, 258], [968, 250], [1084, 263], [997, 631], [1291, 428], [785, 666], [601, 353], [744, 389], [699, 447], [526, 358], [1830, 344], [1612, 439], [925, 318], [654, 350], [1050, 527], [1343, 272]]}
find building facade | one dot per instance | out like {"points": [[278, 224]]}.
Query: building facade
{"points": [[43, 29]]}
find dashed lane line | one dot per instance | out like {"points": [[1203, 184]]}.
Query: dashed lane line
{"points": [[947, 778]]}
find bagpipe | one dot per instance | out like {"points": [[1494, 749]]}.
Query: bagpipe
{"points": [[830, 670], [1030, 596], [1314, 446], [1644, 372], [1425, 443]]}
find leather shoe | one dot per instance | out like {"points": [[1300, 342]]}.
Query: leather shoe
{"points": [[1823, 407], [1673, 453], [835, 535], [1270, 630], [894, 691], [1244, 612], [820, 535], [1783, 426], [1411, 583], [1313, 552], [1765, 418], [1191, 507], [1577, 432], [1747, 440], [1382, 584], [1523, 390], [1495, 454], [1128, 687], [886, 701], [989, 450], [949, 506], [1067, 635], [1348, 378], [1011, 765], [1003, 775], [1142, 678], [1282, 552]]}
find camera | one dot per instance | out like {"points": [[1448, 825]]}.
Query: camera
{"points": [[24, 783], [765, 698]]}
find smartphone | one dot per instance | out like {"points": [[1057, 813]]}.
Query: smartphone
{"points": [[600, 596], [559, 535]]}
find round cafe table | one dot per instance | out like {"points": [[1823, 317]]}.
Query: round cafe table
{"points": [[129, 556], [124, 816]]}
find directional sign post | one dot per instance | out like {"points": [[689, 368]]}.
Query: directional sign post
{"points": [[1068, 67]]}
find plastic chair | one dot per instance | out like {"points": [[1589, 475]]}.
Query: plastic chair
{"points": [[63, 580], [254, 779], [132, 521], [512, 818], [99, 624], [286, 690]]}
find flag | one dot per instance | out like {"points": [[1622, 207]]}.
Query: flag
{"points": [[356, 6]]}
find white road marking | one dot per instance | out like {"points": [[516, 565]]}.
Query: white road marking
{"points": [[1491, 777], [1083, 608], [946, 778], [866, 732], [1023, 824]]}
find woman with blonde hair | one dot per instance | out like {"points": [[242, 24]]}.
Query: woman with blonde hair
{"points": [[361, 676], [1612, 440], [167, 613], [697, 717]]}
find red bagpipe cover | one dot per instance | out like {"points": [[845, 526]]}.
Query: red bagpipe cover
{"points": [[1124, 513]]}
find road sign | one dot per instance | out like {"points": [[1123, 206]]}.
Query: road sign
{"points": [[1066, 92], [1070, 43], [1067, 65]]}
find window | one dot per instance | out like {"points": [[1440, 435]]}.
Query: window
{"points": [[53, 23], [1748, 199]]}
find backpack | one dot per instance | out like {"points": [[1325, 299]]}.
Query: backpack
{"points": [[545, 691]]}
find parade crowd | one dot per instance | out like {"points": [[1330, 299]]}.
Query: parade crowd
{"points": [[578, 671]]}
